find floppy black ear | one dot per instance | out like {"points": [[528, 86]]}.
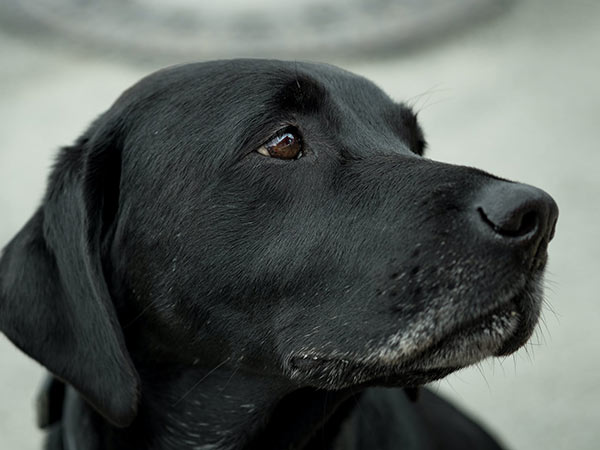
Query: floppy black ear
{"points": [[54, 301]]}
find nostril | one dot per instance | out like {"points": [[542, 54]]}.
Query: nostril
{"points": [[516, 224], [517, 212], [529, 222]]}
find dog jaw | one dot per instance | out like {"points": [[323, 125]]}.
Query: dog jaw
{"points": [[428, 350]]}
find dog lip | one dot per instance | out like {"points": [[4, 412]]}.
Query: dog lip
{"points": [[475, 340], [472, 341], [334, 373], [519, 337], [495, 332]]}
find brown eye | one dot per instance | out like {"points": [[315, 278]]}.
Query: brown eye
{"points": [[286, 145]]}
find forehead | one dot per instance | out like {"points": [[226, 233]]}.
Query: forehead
{"points": [[232, 102], [245, 83]]}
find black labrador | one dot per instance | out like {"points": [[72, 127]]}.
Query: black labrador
{"points": [[248, 254]]}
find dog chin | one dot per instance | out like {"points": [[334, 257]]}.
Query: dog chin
{"points": [[416, 358]]}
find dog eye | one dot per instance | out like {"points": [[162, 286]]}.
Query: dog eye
{"points": [[285, 145]]}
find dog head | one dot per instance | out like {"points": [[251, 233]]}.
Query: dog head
{"points": [[277, 217]]}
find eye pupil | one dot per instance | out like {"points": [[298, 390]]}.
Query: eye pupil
{"points": [[286, 145]]}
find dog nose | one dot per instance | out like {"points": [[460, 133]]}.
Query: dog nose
{"points": [[519, 213]]}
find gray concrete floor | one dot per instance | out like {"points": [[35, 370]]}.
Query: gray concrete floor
{"points": [[518, 97]]}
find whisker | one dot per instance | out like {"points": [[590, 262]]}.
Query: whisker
{"points": [[200, 381], [525, 347], [549, 307], [142, 312], [230, 378], [426, 96], [429, 105], [501, 362], [478, 365], [447, 380], [544, 324]]}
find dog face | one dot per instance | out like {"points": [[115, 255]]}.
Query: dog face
{"points": [[276, 217]]}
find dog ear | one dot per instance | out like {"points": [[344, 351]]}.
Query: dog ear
{"points": [[54, 301]]}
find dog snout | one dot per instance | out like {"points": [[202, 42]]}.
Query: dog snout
{"points": [[519, 214]]}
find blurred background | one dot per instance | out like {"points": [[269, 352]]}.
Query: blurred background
{"points": [[511, 87]]}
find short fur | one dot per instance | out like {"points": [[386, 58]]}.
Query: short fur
{"points": [[191, 293]]}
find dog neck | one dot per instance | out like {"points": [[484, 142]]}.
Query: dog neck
{"points": [[218, 409]]}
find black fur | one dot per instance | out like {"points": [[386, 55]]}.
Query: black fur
{"points": [[193, 293]]}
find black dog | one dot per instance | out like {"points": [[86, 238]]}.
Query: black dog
{"points": [[237, 252]]}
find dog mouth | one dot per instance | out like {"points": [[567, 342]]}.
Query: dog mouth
{"points": [[472, 341], [418, 359]]}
